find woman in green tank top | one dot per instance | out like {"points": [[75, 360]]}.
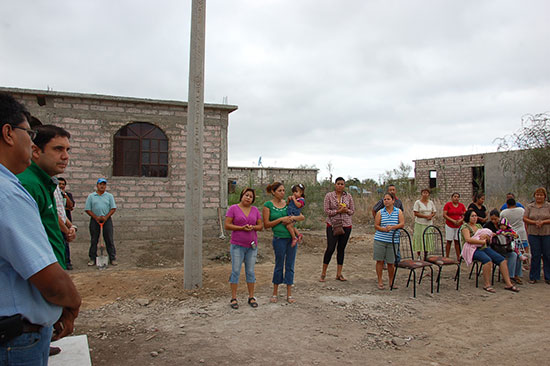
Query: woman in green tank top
{"points": [[275, 217]]}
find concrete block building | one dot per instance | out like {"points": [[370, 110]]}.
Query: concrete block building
{"points": [[139, 145], [261, 177], [465, 174]]}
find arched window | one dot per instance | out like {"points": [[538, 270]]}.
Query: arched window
{"points": [[141, 150]]}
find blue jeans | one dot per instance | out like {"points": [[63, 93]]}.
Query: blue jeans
{"points": [[487, 255], [238, 256], [514, 264], [29, 349], [285, 256], [540, 247]]}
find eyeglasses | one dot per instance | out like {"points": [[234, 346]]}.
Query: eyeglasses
{"points": [[32, 133]]}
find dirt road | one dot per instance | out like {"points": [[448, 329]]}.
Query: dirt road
{"points": [[139, 314]]}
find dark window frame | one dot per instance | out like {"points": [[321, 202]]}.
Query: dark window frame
{"points": [[141, 149]]}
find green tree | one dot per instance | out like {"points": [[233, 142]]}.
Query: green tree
{"points": [[526, 153]]}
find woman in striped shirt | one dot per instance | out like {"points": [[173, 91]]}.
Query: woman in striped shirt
{"points": [[387, 220]]}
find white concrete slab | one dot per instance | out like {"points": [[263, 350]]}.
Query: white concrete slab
{"points": [[74, 351]]}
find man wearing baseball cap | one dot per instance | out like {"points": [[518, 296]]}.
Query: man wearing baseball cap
{"points": [[100, 205]]}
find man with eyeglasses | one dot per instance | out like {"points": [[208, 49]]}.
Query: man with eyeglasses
{"points": [[35, 292]]}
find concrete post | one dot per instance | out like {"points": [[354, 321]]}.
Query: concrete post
{"points": [[192, 248]]}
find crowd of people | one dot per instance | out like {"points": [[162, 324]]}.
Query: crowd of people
{"points": [[513, 238], [39, 302]]}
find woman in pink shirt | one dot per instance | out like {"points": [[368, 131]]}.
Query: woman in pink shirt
{"points": [[244, 220]]}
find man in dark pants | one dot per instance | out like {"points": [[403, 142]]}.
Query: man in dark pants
{"points": [[36, 292], [100, 205], [67, 205]]}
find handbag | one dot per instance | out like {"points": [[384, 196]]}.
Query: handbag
{"points": [[337, 228]]}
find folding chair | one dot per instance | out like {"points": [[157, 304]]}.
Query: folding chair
{"points": [[478, 266], [434, 249], [402, 240]]}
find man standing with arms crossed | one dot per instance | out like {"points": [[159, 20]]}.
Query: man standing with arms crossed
{"points": [[36, 292]]}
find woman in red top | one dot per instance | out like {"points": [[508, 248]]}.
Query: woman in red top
{"points": [[453, 213]]}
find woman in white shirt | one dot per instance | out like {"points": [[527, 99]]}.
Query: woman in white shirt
{"points": [[424, 212]]}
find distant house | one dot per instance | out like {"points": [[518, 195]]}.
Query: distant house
{"points": [[465, 174], [261, 177]]}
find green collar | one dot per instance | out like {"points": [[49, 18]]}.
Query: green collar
{"points": [[44, 178]]}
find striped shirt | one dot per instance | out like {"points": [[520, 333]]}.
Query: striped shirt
{"points": [[385, 220]]}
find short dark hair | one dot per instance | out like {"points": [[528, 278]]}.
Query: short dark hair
{"points": [[458, 194], [389, 194], [12, 112], [61, 179], [510, 202], [248, 189], [46, 133], [426, 190], [340, 179], [467, 216], [494, 212], [391, 185]]}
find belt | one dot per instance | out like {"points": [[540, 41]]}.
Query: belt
{"points": [[30, 328]]}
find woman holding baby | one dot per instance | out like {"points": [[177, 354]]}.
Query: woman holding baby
{"points": [[482, 252]]}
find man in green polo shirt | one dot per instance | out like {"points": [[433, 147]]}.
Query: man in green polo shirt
{"points": [[50, 156]]}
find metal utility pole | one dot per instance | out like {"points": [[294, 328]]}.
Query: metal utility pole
{"points": [[192, 247]]}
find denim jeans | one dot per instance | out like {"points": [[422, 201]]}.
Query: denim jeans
{"points": [[514, 264], [540, 247], [239, 255], [285, 256], [29, 349]]}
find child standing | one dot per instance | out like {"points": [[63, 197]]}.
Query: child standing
{"points": [[295, 204]]}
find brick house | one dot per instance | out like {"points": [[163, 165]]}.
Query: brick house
{"points": [[139, 145], [465, 174], [260, 177]]}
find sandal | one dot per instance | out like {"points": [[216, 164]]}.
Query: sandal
{"points": [[518, 281], [322, 279], [381, 287], [532, 282], [252, 302], [512, 288], [300, 238], [273, 299], [234, 304], [341, 278], [290, 299], [489, 289]]}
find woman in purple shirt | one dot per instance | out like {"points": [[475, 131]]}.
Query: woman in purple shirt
{"points": [[244, 220]]}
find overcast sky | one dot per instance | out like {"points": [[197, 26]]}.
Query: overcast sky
{"points": [[358, 83]]}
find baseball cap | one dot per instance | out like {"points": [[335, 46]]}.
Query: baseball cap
{"points": [[101, 180]]}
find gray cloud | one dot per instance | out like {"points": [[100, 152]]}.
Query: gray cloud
{"points": [[364, 84]]}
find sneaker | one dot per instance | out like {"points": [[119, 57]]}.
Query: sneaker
{"points": [[114, 262], [91, 263]]}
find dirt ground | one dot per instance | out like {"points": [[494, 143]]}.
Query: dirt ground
{"points": [[138, 313]]}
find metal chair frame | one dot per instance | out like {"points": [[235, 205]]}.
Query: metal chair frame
{"points": [[439, 251], [408, 255]]}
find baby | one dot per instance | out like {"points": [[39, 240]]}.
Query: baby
{"points": [[295, 204], [483, 234], [509, 235]]}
